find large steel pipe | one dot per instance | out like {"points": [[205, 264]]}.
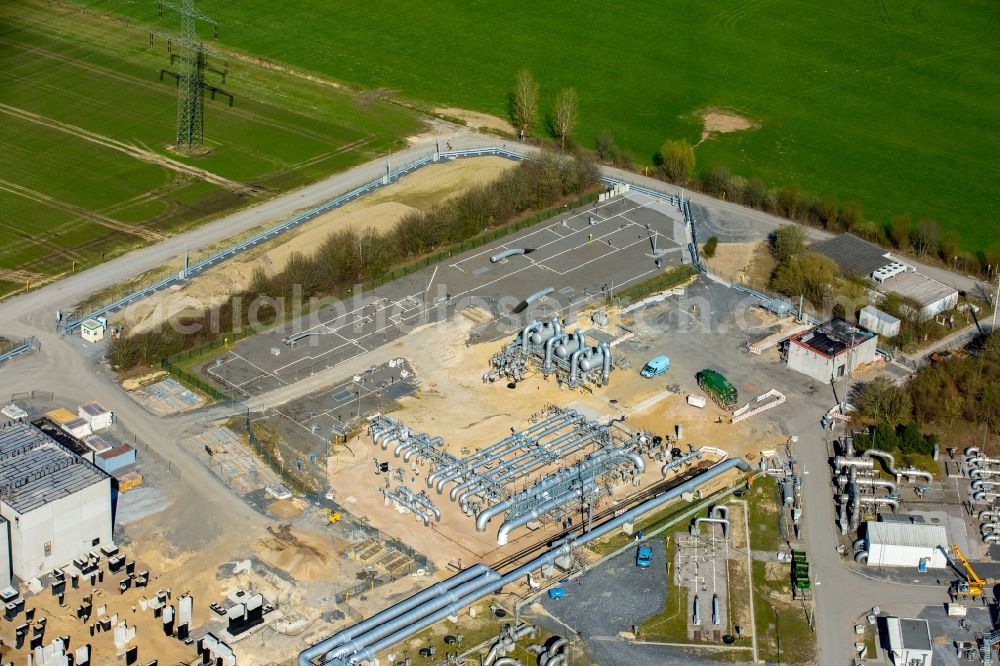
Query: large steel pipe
{"points": [[320, 648], [415, 625]]}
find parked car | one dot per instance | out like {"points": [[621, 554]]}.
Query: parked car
{"points": [[644, 557]]}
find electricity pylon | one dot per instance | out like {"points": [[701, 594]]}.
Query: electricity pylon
{"points": [[190, 77]]}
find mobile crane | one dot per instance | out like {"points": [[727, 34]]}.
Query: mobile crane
{"points": [[973, 585]]}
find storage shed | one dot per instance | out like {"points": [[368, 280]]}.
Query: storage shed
{"points": [[909, 641], [876, 321], [914, 545], [12, 411]]}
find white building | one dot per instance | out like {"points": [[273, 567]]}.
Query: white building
{"points": [[914, 545], [909, 641], [56, 504], [92, 330], [832, 350], [878, 322]]}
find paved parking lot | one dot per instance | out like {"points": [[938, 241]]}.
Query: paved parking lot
{"points": [[711, 326], [580, 254], [615, 595]]}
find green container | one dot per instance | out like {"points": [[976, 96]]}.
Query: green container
{"points": [[718, 388]]}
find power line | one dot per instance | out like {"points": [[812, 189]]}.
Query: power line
{"points": [[192, 55]]}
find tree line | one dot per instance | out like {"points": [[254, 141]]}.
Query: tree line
{"points": [[348, 257]]}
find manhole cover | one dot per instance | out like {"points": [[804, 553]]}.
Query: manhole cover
{"points": [[935, 520]]}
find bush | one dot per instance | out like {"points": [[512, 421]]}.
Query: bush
{"points": [[710, 246], [676, 160], [883, 402], [755, 193], [810, 275], [716, 181], [787, 241]]}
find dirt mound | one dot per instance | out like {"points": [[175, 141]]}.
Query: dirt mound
{"points": [[304, 559], [721, 121]]}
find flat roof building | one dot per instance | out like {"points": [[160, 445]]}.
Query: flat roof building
{"points": [[906, 544], [909, 641], [854, 255], [830, 351], [57, 504], [929, 297]]}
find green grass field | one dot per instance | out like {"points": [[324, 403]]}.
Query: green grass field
{"points": [[889, 103], [76, 88]]}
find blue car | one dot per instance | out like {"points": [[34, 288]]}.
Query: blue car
{"points": [[643, 557]]}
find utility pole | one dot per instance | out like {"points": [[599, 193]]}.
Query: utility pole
{"points": [[190, 77]]}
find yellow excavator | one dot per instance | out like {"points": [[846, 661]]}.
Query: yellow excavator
{"points": [[332, 517], [973, 585]]}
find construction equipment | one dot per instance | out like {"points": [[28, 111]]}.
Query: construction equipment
{"points": [[332, 517], [718, 388], [973, 585]]}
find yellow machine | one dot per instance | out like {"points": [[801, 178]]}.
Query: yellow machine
{"points": [[332, 516], [973, 585]]}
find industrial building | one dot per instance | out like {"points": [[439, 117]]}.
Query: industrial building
{"points": [[830, 351], [56, 504], [909, 641], [890, 275], [906, 544], [880, 323]]}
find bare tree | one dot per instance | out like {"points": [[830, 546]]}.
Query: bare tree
{"points": [[524, 102], [564, 115]]}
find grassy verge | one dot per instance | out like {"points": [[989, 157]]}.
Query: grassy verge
{"points": [[922, 461], [764, 509], [670, 278], [610, 544], [783, 631]]}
